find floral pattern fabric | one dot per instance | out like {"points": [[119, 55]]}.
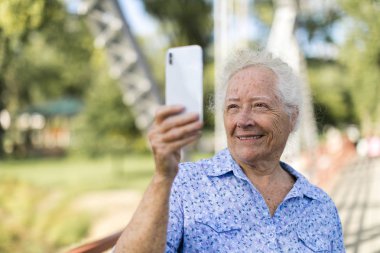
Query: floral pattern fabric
{"points": [[215, 208]]}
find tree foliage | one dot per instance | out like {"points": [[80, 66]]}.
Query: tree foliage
{"points": [[53, 57], [319, 25], [360, 56], [48, 68], [186, 21], [41, 48], [17, 20], [106, 126], [331, 99]]}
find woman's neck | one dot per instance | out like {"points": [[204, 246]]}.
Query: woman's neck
{"points": [[264, 174], [272, 181]]}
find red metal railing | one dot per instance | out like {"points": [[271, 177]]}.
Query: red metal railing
{"points": [[98, 246]]}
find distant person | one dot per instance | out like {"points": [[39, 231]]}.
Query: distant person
{"points": [[244, 199], [373, 146]]}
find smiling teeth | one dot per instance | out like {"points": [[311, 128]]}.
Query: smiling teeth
{"points": [[250, 137]]}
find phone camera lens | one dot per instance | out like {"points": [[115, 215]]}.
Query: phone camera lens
{"points": [[170, 58]]}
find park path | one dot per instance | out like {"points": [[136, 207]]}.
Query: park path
{"points": [[357, 196], [111, 210]]}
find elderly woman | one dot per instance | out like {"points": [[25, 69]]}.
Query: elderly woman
{"points": [[244, 199]]}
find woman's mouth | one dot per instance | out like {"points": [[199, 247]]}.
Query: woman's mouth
{"points": [[250, 137]]}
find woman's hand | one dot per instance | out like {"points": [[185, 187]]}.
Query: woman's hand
{"points": [[172, 130]]}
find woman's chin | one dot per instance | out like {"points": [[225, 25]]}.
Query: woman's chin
{"points": [[247, 156]]}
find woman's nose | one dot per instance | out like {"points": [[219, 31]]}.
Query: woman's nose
{"points": [[245, 119]]}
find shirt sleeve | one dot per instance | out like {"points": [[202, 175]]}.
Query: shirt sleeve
{"points": [[174, 235], [337, 241]]}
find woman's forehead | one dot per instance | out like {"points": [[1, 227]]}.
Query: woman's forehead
{"points": [[253, 80], [253, 84], [254, 72]]}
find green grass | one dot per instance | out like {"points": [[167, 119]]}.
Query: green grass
{"points": [[82, 174], [36, 197], [78, 174]]}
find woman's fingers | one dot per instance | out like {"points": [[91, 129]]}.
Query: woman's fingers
{"points": [[164, 112], [176, 145], [176, 133], [161, 140], [178, 121], [171, 130], [163, 148]]}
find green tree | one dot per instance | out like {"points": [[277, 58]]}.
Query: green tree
{"points": [[17, 19], [106, 126], [331, 99], [360, 56], [43, 54], [54, 63], [185, 21], [58, 60]]}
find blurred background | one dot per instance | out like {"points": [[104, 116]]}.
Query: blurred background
{"points": [[80, 81]]}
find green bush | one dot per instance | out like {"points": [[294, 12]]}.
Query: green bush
{"points": [[37, 220]]}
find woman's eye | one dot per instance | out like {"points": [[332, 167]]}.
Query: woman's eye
{"points": [[261, 105], [232, 106]]}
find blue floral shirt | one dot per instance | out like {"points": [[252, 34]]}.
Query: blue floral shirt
{"points": [[215, 208]]}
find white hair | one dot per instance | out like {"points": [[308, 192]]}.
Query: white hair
{"points": [[288, 85]]}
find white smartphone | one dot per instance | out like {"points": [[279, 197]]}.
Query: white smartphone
{"points": [[184, 78]]}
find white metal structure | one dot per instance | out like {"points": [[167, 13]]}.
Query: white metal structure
{"points": [[126, 61], [283, 43], [230, 31]]}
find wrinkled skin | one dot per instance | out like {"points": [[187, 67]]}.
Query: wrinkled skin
{"points": [[172, 130], [257, 125]]}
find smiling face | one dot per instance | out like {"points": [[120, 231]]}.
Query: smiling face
{"points": [[257, 125]]}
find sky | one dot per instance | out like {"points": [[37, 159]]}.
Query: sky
{"points": [[141, 23]]}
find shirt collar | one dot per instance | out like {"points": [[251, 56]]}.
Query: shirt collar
{"points": [[223, 163], [302, 187]]}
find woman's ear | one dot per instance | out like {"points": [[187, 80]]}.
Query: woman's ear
{"points": [[294, 118]]}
